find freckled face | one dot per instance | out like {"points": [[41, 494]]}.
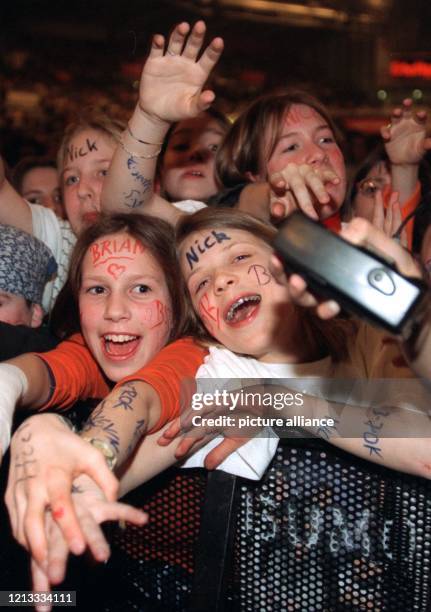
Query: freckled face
{"points": [[188, 164], [124, 303], [306, 138], [42, 186], [86, 164], [233, 292]]}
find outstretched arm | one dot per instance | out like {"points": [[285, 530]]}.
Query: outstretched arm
{"points": [[171, 89], [46, 456], [92, 509], [294, 187]]}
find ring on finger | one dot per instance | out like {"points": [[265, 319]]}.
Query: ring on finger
{"points": [[169, 52]]}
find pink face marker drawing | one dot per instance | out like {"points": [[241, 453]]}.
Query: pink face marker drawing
{"points": [[104, 250], [157, 314], [298, 112], [115, 270], [210, 314]]}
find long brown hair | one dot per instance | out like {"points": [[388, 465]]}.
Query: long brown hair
{"points": [[157, 236], [251, 140], [329, 336]]}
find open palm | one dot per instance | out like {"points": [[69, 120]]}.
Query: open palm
{"points": [[172, 80]]}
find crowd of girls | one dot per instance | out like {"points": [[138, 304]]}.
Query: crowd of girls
{"points": [[146, 305]]}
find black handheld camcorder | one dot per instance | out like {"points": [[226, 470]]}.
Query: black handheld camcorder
{"points": [[363, 283]]}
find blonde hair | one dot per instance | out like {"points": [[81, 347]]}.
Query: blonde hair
{"points": [[89, 119]]}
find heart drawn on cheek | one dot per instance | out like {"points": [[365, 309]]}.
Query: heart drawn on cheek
{"points": [[115, 270]]}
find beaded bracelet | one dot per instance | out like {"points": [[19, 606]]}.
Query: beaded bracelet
{"points": [[151, 156], [154, 144]]}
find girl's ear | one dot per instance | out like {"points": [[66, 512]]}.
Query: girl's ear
{"points": [[36, 315], [253, 178]]}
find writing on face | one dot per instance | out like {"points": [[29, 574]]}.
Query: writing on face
{"points": [[209, 313], [157, 314], [73, 152], [104, 251], [202, 246], [299, 112], [263, 277]]}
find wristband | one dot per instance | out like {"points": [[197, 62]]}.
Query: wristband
{"points": [[13, 385], [153, 144], [134, 155]]}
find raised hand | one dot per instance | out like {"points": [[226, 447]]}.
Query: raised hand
{"points": [[173, 78], [299, 293], [405, 136], [388, 220], [299, 186], [92, 509], [361, 232]]}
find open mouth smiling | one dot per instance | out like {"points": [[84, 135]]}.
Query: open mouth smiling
{"points": [[242, 310], [120, 346]]}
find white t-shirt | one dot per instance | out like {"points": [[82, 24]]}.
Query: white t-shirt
{"points": [[58, 235], [370, 357]]}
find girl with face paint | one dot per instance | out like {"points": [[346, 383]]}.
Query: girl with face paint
{"points": [[83, 161], [288, 145], [258, 333], [125, 302]]}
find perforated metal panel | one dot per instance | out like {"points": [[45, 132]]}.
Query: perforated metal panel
{"points": [[153, 566], [322, 532], [326, 532]]}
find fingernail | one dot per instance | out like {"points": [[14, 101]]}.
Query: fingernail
{"points": [[333, 306], [77, 547]]}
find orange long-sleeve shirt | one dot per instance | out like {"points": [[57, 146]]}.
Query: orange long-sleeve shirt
{"points": [[76, 375]]}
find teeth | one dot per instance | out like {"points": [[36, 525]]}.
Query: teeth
{"points": [[249, 298], [196, 173], [119, 338]]}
